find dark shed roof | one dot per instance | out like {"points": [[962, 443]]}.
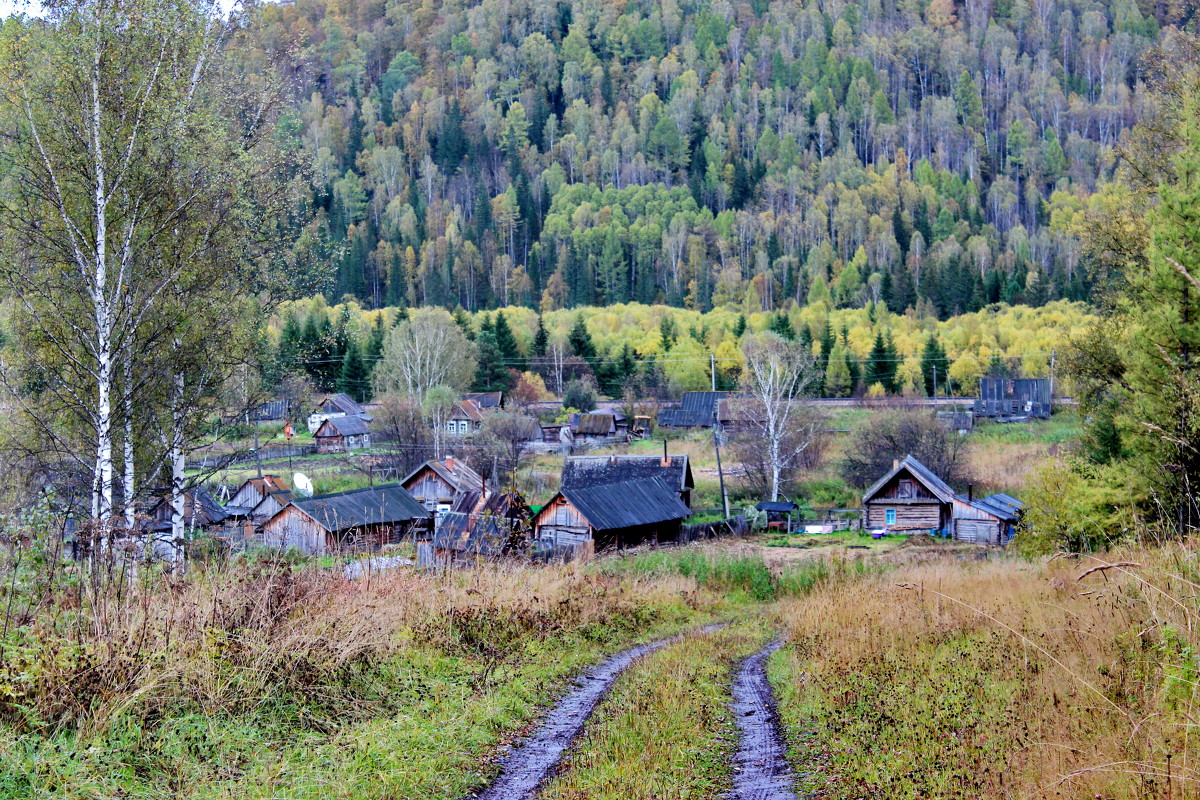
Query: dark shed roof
{"points": [[696, 410], [342, 426], [936, 486], [344, 403], [470, 533], [486, 399], [585, 471], [1004, 506], [596, 424], [374, 506], [628, 504], [784, 506]]}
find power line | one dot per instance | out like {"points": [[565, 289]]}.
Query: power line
{"points": [[707, 356]]}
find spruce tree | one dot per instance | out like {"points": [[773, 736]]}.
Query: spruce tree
{"points": [[838, 381], [510, 352], [581, 341], [491, 375], [375, 342], [934, 364], [541, 339], [875, 369], [354, 379], [739, 327], [291, 343]]}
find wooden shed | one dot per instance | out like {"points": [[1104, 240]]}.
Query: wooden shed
{"points": [[990, 520], [270, 505], [595, 426], [494, 526], [612, 515], [909, 498], [342, 434], [251, 493], [582, 472], [363, 519]]}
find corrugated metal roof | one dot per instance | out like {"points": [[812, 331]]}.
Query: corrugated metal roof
{"points": [[378, 505], [933, 483], [486, 399], [342, 426], [777, 506], [585, 471], [454, 471], [628, 504]]}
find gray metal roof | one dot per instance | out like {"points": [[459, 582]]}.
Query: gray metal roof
{"points": [[628, 504], [696, 410], [936, 486], [486, 399], [777, 506], [378, 505], [596, 424], [456, 473], [344, 426], [1001, 505], [344, 403], [586, 471]]}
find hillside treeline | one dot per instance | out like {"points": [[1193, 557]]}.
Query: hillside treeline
{"points": [[696, 153]]}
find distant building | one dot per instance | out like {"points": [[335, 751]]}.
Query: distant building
{"points": [[696, 410], [595, 426], [342, 434], [1014, 398], [483, 527], [336, 405], [467, 417], [364, 519], [251, 493], [436, 485], [488, 400]]}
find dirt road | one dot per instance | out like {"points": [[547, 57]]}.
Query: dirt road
{"points": [[761, 768]]}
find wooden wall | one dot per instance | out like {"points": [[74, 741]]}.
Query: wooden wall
{"points": [[560, 521], [293, 528], [908, 515], [428, 487]]}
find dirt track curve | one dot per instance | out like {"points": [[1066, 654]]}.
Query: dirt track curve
{"points": [[761, 768], [528, 764]]}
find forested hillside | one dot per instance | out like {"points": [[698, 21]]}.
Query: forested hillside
{"points": [[697, 152]]}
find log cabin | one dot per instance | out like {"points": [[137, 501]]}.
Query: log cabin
{"points": [[437, 484], [342, 434], [362, 519], [251, 493]]}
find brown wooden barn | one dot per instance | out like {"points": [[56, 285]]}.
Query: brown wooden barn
{"points": [[342, 434], [251, 493], [631, 512], [363, 519]]}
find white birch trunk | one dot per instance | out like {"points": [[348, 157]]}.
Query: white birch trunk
{"points": [[129, 485], [178, 464]]}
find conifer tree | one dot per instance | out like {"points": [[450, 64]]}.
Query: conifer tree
{"points": [[739, 327], [581, 341], [541, 339], [935, 367], [838, 382], [354, 378], [510, 352]]}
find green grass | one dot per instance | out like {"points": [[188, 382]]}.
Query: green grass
{"points": [[666, 730], [1064, 427]]}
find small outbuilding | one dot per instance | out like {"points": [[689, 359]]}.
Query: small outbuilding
{"points": [[909, 498], [467, 417], [342, 434], [595, 426], [621, 514], [251, 493], [438, 484], [363, 519], [584, 472]]}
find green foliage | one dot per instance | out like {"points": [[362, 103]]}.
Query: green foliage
{"points": [[579, 395]]}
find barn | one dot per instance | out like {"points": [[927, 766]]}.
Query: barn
{"points": [[492, 526], [342, 434], [990, 520], [270, 505], [584, 472], [621, 514], [363, 519], [251, 493]]}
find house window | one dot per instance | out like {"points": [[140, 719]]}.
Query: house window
{"points": [[890, 516]]}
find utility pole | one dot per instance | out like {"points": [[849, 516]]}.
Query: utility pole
{"points": [[712, 368], [935, 385], [1053, 358], [720, 472]]}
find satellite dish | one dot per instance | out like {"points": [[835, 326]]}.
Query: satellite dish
{"points": [[303, 485]]}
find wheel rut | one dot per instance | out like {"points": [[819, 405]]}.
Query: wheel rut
{"points": [[761, 768], [525, 768]]}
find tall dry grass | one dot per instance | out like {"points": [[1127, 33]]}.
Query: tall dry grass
{"points": [[1005, 679]]}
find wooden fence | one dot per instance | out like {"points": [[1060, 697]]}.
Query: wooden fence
{"points": [[274, 453]]}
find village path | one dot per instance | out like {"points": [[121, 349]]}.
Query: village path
{"points": [[528, 764], [761, 770]]}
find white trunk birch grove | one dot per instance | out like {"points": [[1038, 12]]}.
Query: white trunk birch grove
{"points": [[425, 351], [776, 375]]}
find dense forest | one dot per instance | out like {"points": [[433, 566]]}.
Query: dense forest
{"points": [[696, 153]]}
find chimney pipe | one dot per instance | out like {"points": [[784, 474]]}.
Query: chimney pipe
{"points": [[970, 492], [895, 463], [666, 459]]}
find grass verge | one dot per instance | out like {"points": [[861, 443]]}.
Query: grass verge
{"points": [[665, 731]]}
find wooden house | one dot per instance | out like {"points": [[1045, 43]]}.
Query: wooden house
{"points": [[467, 417], [271, 504], [437, 484], [588, 471], [363, 519], [912, 499], [909, 498], [342, 434], [645, 509]]}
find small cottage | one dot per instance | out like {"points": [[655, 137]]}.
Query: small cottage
{"points": [[493, 401], [467, 417], [616, 515], [595, 426], [582, 472], [336, 405], [363, 519], [342, 434], [912, 499]]}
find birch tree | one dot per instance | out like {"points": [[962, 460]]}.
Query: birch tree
{"points": [[427, 350], [776, 375], [134, 163]]}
